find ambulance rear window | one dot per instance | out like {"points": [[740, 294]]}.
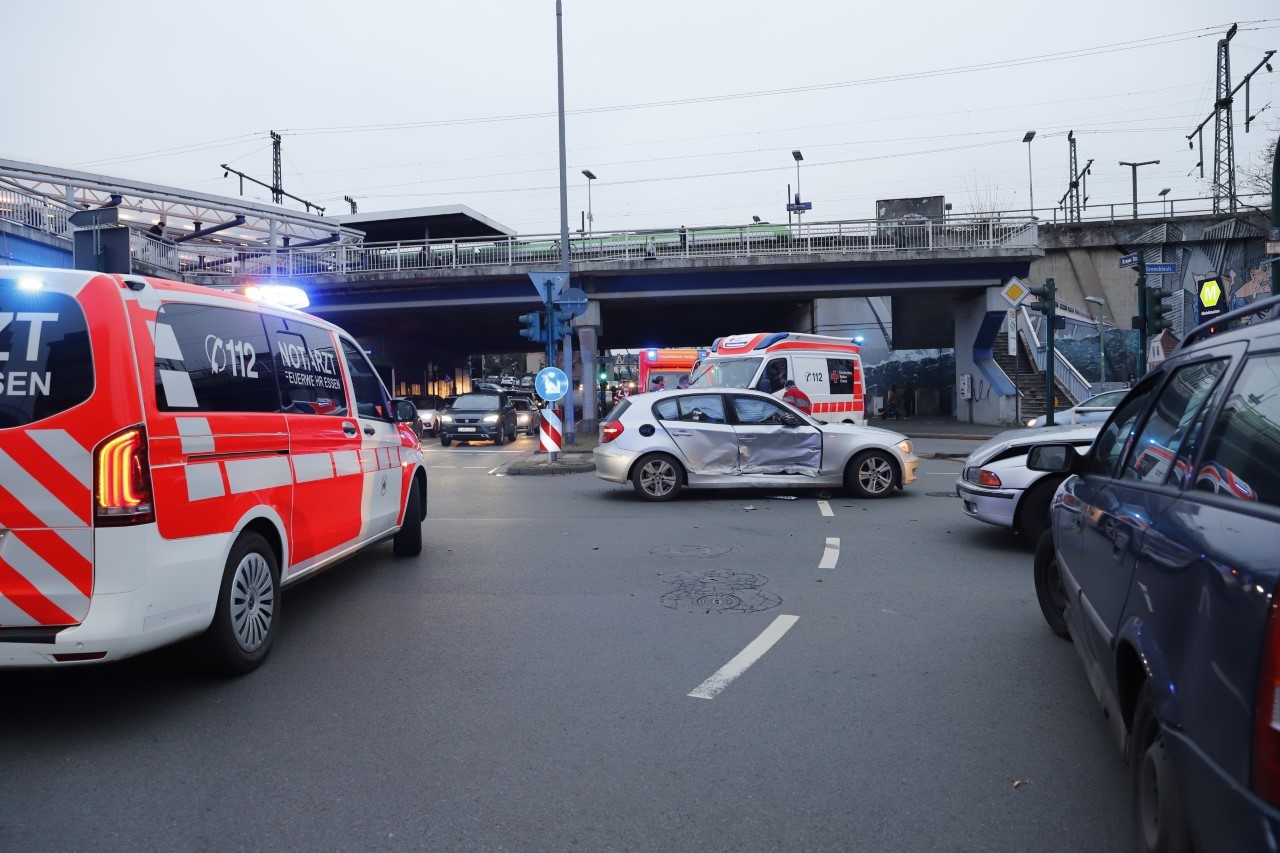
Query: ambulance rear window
{"points": [[48, 361]]}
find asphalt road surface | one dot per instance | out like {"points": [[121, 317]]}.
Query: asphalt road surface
{"points": [[865, 675]]}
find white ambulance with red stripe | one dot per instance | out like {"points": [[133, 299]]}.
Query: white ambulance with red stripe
{"points": [[172, 456], [827, 369]]}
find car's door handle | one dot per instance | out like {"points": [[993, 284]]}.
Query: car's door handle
{"points": [[369, 430], [683, 432], [349, 429]]}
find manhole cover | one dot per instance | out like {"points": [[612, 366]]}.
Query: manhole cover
{"points": [[942, 494], [719, 592], [694, 551]]}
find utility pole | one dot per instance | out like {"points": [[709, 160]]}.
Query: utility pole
{"points": [[351, 201], [1275, 213], [1224, 143], [277, 175], [569, 429], [1142, 318], [1135, 166], [1074, 207]]}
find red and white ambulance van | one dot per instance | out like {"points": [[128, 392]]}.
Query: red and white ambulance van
{"points": [[173, 456], [827, 369]]}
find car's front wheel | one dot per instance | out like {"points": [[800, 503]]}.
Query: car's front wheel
{"points": [[1050, 591], [871, 474], [1033, 509], [657, 477], [445, 441]]}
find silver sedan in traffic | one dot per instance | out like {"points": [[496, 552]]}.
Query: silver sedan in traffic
{"points": [[664, 441]]}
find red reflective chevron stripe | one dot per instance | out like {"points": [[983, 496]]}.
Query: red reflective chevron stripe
{"points": [[26, 597], [60, 556]]}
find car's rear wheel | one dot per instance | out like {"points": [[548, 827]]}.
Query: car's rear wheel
{"points": [[1050, 591], [445, 441], [408, 539], [871, 474], [657, 477], [1033, 509], [1160, 823], [248, 608]]}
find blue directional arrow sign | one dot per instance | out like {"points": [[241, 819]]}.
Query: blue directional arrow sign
{"points": [[551, 384], [1162, 269], [1126, 261], [549, 284]]}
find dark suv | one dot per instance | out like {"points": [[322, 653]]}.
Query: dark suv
{"points": [[1161, 565], [482, 415]]}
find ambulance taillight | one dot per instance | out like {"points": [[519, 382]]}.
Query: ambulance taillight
{"points": [[122, 481]]}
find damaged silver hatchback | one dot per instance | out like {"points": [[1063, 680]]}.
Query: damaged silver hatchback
{"points": [[735, 438]]}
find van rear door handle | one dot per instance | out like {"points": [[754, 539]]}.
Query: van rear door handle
{"points": [[369, 430], [349, 429]]}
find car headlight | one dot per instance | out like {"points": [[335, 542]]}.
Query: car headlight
{"points": [[522, 417], [491, 419], [447, 419], [905, 445], [1031, 422]]}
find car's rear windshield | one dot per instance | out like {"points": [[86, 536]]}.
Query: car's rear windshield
{"points": [[477, 401], [48, 361], [616, 412]]}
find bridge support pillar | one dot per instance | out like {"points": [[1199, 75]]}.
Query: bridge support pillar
{"points": [[979, 321], [588, 328]]}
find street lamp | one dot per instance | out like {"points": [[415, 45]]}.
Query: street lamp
{"points": [[1134, 167], [798, 157], [1031, 187], [1102, 340], [1164, 192], [591, 176]]}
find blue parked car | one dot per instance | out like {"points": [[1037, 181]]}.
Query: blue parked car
{"points": [[1161, 565]]}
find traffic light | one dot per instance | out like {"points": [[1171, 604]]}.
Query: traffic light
{"points": [[533, 327], [560, 325], [1156, 311], [604, 376], [1048, 298]]}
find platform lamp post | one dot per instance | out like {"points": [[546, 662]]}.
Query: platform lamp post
{"points": [[1031, 186], [1134, 167], [590, 176], [1164, 201], [799, 213], [1102, 339]]}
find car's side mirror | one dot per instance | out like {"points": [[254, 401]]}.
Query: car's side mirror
{"points": [[403, 411], [791, 421], [1054, 459]]}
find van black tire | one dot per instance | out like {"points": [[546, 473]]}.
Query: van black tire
{"points": [[1050, 591], [408, 539], [1160, 822], [247, 615]]}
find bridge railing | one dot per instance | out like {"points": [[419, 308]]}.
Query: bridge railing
{"points": [[846, 237], [34, 212]]}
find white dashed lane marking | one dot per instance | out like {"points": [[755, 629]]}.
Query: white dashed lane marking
{"points": [[725, 675], [831, 553], [825, 508]]}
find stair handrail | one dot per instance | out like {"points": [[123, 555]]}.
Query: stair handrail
{"points": [[1073, 382]]}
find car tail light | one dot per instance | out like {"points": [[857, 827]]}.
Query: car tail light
{"points": [[988, 478], [1266, 715], [610, 431], [122, 481]]}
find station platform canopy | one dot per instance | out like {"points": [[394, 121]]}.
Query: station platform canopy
{"points": [[190, 218], [446, 222]]}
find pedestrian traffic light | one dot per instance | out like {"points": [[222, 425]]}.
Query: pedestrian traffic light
{"points": [[1048, 298], [1156, 311], [560, 325], [533, 327], [604, 376]]}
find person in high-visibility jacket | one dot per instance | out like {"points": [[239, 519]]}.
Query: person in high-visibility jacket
{"points": [[796, 397]]}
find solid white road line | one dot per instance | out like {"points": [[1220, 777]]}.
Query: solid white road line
{"points": [[825, 509], [831, 553], [725, 675]]}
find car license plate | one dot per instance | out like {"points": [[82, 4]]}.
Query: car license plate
{"points": [[466, 429]]}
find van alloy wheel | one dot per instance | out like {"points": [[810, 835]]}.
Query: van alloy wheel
{"points": [[253, 602]]}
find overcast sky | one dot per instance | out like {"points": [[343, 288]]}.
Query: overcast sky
{"points": [[675, 105]]}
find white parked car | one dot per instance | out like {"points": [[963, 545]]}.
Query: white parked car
{"points": [[997, 486], [664, 441], [1095, 410]]}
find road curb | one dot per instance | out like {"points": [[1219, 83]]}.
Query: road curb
{"points": [[945, 456], [950, 436], [537, 467]]}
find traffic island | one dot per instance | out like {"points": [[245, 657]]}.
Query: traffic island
{"points": [[540, 463]]}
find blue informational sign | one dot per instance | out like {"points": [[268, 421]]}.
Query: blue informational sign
{"points": [[1129, 260], [1162, 269], [551, 384], [800, 205]]}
